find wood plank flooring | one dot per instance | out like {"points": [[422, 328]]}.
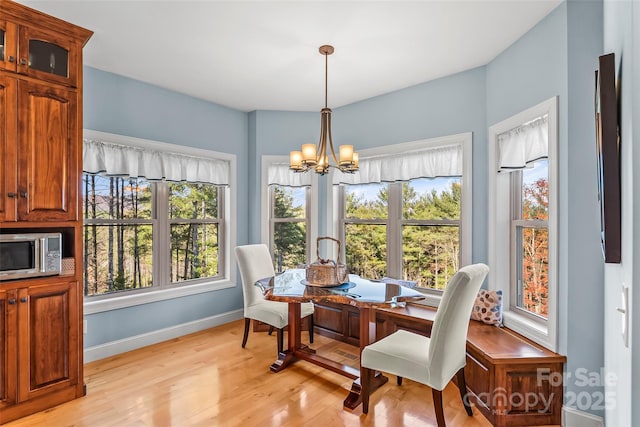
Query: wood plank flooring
{"points": [[207, 379]]}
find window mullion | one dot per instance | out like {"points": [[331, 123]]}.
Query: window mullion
{"points": [[161, 241], [394, 230]]}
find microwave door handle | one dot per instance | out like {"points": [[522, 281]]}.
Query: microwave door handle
{"points": [[42, 250]]}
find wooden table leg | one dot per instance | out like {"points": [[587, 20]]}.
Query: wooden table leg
{"points": [[293, 338], [367, 336]]}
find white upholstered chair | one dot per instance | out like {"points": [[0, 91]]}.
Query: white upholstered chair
{"points": [[255, 263], [432, 361]]}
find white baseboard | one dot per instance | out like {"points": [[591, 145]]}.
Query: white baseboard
{"points": [[572, 417], [138, 341]]}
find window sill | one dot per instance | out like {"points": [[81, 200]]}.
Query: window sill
{"points": [[524, 326], [129, 300]]}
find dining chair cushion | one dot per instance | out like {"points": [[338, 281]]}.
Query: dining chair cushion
{"points": [[402, 353], [275, 313]]}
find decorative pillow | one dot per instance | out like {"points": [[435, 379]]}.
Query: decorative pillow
{"points": [[488, 307]]}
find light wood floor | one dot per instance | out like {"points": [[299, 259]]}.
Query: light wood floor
{"points": [[207, 379]]}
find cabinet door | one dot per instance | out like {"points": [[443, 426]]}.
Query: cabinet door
{"points": [[8, 43], [8, 368], [48, 56], [8, 135], [48, 153], [48, 339]]}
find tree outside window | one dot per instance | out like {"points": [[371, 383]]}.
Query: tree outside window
{"points": [[288, 226], [140, 234], [531, 237], [408, 230]]}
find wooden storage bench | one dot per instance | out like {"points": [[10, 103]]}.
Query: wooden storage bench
{"points": [[512, 381]]}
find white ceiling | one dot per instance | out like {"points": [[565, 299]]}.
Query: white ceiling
{"points": [[263, 55]]}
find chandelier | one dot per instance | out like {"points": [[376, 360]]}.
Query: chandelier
{"points": [[316, 158]]}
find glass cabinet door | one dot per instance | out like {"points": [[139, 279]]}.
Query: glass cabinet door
{"points": [[48, 57], [7, 45]]}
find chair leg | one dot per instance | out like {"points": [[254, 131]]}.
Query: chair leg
{"points": [[280, 335], [437, 404], [365, 388], [399, 380], [247, 323], [270, 329], [311, 326], [464, 395]]}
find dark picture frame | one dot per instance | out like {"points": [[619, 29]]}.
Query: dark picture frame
{"points": [[608, 153]]}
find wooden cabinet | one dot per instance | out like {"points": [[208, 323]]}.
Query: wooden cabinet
{"points": [[51, 53], [8, 45], [8, 148], [39, 329], [38, 161], [337, 321], [8, 357], [41, 342]]}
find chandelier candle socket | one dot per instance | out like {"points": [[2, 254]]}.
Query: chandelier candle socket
{"points": [[316, 158]]}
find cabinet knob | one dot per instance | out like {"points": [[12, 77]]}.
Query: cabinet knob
{"points": [[12, 301], [11, 58], [23, 299], [23, 194], [23, 61], [12, 195]]}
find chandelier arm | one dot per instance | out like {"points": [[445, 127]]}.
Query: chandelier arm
{"points": [[333, 153]]}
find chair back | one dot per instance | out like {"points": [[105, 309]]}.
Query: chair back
{"points": [[255, 263], [447, 348]]}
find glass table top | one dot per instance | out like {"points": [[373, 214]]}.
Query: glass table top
{"points": [[291, 286]]}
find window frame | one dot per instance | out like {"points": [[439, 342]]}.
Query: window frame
{"points": [[273, 221], [266, 206], [108, 302], [516, 256], [465, 140], [500, 243]]}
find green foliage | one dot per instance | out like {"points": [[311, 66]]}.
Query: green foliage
{"points": [[118, 251], [430, 252], [289, 238]]}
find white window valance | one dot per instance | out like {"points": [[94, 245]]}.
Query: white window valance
{"points": [[280, 174], [523, 145], [100, 157], [425, 163]]}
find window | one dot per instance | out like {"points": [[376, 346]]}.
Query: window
{"points": [[118, 234], [426, 234], [154, 218], [523, 215], [530, 239], [194, 226], [123, 235], [416, 227], [288, 226]]}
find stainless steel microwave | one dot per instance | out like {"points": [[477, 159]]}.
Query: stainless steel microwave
{"points": [[25, 255]]}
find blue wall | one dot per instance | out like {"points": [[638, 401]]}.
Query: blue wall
{"points": [[119, 105]]}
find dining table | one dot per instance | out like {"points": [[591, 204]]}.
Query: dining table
{"points": [[292, 287]]}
